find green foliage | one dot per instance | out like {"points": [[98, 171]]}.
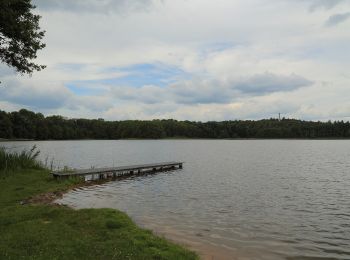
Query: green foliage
{"points": [[57, 232], [20, 35], [25, 124], [19, 160]]}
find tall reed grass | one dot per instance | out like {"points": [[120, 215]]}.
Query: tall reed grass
{"points": [[26, 159]]}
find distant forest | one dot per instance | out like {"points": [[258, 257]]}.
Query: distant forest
{"points": [[25, 124]]}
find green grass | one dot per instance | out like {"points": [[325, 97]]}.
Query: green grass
{"points": [[57, 232]]}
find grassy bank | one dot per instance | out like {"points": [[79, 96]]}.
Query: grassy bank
{"points": [[41, 231]]}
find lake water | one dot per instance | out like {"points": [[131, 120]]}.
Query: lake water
{"points": [[234, 199]]}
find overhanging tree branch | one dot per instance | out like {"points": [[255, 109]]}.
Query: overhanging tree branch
{"points": [[20, 35]]}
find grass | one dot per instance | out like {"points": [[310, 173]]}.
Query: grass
{"points": [[19, 160], [57, 232]]}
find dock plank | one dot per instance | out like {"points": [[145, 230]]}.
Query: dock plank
{"points": [[119, 169]]}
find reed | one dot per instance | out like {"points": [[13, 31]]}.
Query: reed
{"points": [[26, 159]]}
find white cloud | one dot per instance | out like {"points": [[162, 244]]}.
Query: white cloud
{"points": [[240, 59], [104, 6]]}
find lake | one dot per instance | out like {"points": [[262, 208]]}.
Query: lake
{"points": [[234, 199]]}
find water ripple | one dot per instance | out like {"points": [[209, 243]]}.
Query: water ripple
{"points": [[258, 199]]}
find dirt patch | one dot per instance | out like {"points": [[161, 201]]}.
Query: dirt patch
{"points": [[45, 198], [48, 198]]}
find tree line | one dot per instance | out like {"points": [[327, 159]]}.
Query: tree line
{"points": [[25, 124]]}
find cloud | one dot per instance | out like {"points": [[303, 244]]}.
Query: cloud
{"points": [[70, 66], [6, 71], [50, 97], [137, 75], [337, 18], [201, 91], [209, 91], [92, 103], [168, 60], [269, 83], [93, 6], [325, 4], [30, 95], [146, 94]]}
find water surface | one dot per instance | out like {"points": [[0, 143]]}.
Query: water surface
{"points": [[249, 199]]}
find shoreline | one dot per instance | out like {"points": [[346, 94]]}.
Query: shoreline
{"points": [[49, 198], [196, 243], [175, 139], [31, 220], [206, 251]]}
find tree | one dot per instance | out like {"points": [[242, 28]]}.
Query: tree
{"points": [[5, 125], [20, 35]]}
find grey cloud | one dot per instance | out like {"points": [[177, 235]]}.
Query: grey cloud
{"points": [[145, 94], [30, 96], [50, 97], [6, 71], [262, 84], [184, 92], [95, 6], [198, 91], [201, 92], [324, 4], [337, 18]]}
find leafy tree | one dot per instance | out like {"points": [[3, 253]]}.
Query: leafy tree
{"points": [[20, 35], [30, 125], [5, 125]]}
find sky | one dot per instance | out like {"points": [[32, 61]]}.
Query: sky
{"points": [[198, 60]]}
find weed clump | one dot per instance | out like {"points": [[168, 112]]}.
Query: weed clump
{"points": [[26, 159]]}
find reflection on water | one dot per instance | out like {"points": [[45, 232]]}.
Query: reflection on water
{"points": [[260, 199]]}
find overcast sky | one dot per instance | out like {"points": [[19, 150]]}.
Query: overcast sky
{"points": [[189, 59]]}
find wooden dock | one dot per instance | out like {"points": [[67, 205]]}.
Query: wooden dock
{"points": [[117, 172]]}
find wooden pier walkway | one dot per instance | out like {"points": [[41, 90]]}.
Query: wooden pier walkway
{"points": [[121, 171]]}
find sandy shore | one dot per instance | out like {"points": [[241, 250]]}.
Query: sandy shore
{"points": [[199, 244]]}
